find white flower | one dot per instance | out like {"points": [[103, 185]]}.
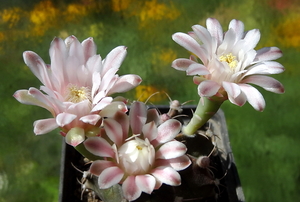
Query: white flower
{"points": [[138, 152], [76, 87], [229, 62]]}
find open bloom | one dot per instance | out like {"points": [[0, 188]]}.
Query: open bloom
{"points": [[76, 87], [229, 62], [138, 152]]}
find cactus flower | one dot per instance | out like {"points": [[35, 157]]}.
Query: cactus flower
{"points": [[138, 152], [76, 87]]}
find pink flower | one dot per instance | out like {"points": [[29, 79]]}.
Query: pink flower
{"points": [[76, 87], [137, 152], [229, 62]]}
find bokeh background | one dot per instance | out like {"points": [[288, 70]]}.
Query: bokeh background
{"points": [[265, 145]]}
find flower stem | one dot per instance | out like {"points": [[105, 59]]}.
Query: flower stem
{"points": [[206, 108]]}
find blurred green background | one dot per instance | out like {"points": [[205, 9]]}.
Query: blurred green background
{"points": [[265, 145]]}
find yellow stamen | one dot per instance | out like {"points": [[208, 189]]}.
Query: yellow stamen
{"points": [[139, 147], [76, 94], [230, 59]]}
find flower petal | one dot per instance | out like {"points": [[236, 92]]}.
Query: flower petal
{"points": [[268, 53], [98, 166], [109, 177], [150, 131], [197, 69], [266, 82], [89, 48], [113, 130], [254, 97], [130, 189], [232, 89], [251, 39], [172, 149], [146, 183], [37, 66], [44, 126], [190, 44], [182, 64], [238, 27], [114, 59], [167, 175], [138, 117], [64, 118], [26, 97], [91, 119], [208, 88], [215, 29], [99, 147], [102, 104], [168, 130], [112, 108], [178, 163], [267, 67], [125, 83], [240, 100]]}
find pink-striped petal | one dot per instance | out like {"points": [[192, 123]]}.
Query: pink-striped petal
{"points": [[172, 149], [146, 183], [102, 104], [251, 39], [238, 27], [150, 131], [268, 53], [99, 165], [137, 116], [99, 147], [179, 163], [197, 69], [208, 88], [190, 44], [167, 175], [114, 59], [130, 189], [240, 100], [167, 131], [232, 89], [64, 118], [182, 64], [123, 120], [267, 67], [153, 115], [91, 119], [37, 66], [113, 130], [109, 177], [205, 38], [26, 97], [89, 48], [254, 97], [44, 126], [266, 82], [125, 83], [215, 29]]}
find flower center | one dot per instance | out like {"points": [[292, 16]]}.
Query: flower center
{"points": [[136, 156], [77, 94], [230, 59]]}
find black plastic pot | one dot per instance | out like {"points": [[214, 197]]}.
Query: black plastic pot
{"points": [[225, 185]]}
